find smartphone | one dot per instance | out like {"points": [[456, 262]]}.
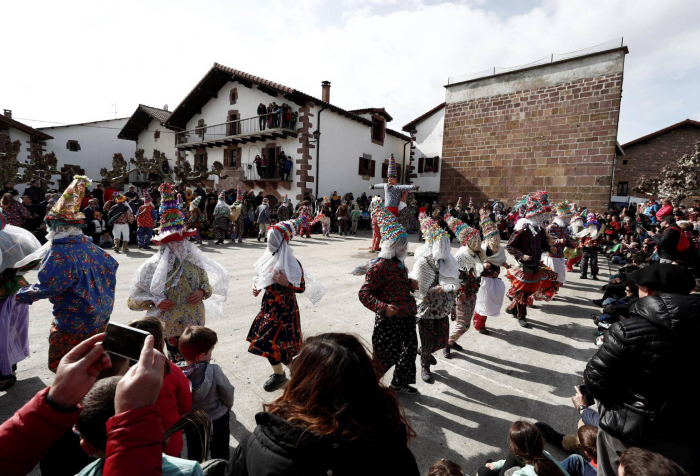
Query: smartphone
{"points": [[583, 391], [124, 341]]}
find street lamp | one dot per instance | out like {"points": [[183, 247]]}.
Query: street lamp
{"points": [[316, 135]]}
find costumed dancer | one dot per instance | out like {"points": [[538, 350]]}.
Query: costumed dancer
{"points": [[222, 219], [437, 273], [75, 275], [470, 264], [387, 292], [323, 216], [145, 222], [590, 239], [173, 284], [526, 245], [304, 228], [573, 255], [376, 233], [15, 244], [492, 290], [194, 221], [393, 192], [560, 238], [119, 216], [276, 330], [238, 213]]}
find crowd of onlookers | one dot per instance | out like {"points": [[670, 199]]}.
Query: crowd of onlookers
{"points": [[106, 415], [274, 116]]}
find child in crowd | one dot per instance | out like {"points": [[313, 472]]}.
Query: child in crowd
{"points": [[175, 398], [211, 390], [355, 218], [145, 220], [526, 452], [577, 465], [97, 408], [99, 228], [445, 467], [106, 240]]}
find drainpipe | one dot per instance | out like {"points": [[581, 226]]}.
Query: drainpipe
{"points": [[403, 172], [318, 148]]}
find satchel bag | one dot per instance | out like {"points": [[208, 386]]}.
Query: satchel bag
{"points": [[629, 422]]}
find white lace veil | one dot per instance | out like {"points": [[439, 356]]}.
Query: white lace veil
{"points": [[165, 267], [394, 248], [15, 244], [279, 256], [441, 251]]}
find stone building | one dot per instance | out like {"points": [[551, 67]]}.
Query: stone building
{"points": [[551, 126], [647, 155]]}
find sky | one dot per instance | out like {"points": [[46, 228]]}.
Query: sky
{"points": [[72, 61]]}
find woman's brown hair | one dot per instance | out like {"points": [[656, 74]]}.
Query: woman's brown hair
{"points": [[334, 390], [154, 327], [525, 441]]}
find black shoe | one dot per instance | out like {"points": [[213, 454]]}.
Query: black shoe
{"points": [[483, 330], [522, 322], [456, 346], [403, 389], [512, 311], [595, 278], [425, 375], [599, 332], [274, 382], [446, 352], [433, 360], [598, 302], [583, 276], [550, 435]]}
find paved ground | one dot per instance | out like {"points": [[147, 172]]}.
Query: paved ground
{"points": [[464, 415]]}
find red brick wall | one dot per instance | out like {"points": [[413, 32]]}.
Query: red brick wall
{"points": [[650, 156], [560, 138]]}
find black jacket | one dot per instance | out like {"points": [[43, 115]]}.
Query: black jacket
{"points": [[669, 242], [277, 447], [649, 358]]}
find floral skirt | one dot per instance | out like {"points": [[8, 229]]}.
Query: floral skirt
{"points": [[434, 334], [61, 342]]}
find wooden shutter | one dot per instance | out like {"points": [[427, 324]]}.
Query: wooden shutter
{"points": [[372, 165], [420, 165], [385, 170], [436, 164], [361, 167]]}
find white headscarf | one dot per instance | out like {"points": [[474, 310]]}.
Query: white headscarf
{"points": [[279, 256], [15, 244], [150, 279], [394, 248], [441, 252]]}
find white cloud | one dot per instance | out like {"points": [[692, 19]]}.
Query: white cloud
{"points": [[71, 60]]}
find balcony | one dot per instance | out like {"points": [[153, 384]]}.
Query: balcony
{"points": [[241, 131]]}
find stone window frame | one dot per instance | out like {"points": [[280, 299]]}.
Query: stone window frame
{"points": [[73, 145], [366, 166], [227, 156], [233, 96]]}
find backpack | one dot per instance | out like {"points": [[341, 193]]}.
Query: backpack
{"points": [[683, 242]]}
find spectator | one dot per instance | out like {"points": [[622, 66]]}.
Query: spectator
{"points": [[639, 374], [34, 221], [669, 240], [445, 467], [9, 187], [211, 390], [131, 194], [261, 116], [99, 228], [35, 192], [281, 160], [201, 192], [99, 194], [258, 165], [262, 217], [175, 398], [527, 452], [16, 213], [640, 462], [288, 165], [333, 400], [665, 210], [109, 192], [577, 465]]}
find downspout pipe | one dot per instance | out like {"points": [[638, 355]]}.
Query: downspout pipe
{"points": [[318, 148], [403, 165]]}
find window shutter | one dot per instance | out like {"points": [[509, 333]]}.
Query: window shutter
{"points": [[436, 164], [372, 167], [420, 165], [385, 170], [359, 169]]}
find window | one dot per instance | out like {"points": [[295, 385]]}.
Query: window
{"points": [[622, 188], [201, 128], [73, 146], [231, 158], [428, 164], [156, 135], [200, 158], [366, 166], [624, 161], [378, 130], [233, 128], [385, 171]]}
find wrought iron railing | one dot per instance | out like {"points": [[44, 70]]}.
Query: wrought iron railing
{"points": [[270, 172], [251, 125]]}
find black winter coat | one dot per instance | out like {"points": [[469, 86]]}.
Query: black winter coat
{"points": [[652, 357], [278, 448], [669, 242]]}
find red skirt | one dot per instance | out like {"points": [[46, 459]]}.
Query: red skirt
{"points": [[525, 282]]}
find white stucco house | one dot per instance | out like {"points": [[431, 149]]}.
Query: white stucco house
{"points": [[332, 149], [86, 148], [146, 128], [426, 150]]}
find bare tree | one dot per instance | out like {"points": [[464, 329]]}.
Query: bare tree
{"points": [[9, 166], [676, 181]]}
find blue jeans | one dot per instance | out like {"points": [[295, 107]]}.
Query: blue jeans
{"points": [[576, 465], [590, 417], [144, 235]]}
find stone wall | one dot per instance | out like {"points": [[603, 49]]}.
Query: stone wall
{"points": [[648, 157], [550, 128]]}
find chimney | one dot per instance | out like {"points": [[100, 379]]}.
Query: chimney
{"points": [[326, 91], [8, 112]]}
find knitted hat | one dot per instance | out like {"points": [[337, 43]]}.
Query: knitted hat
{"points": [[66, 211], [97, 215], [172, 221], [533, 208], [542, 196], [239, 194], [120, 198], [465, 234], [389, 227], [488, 228], [564, 210], [391, 173], [590, 220], [147, 198], [195, 202], [430, 229], [376, 202], [290, 228]]}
